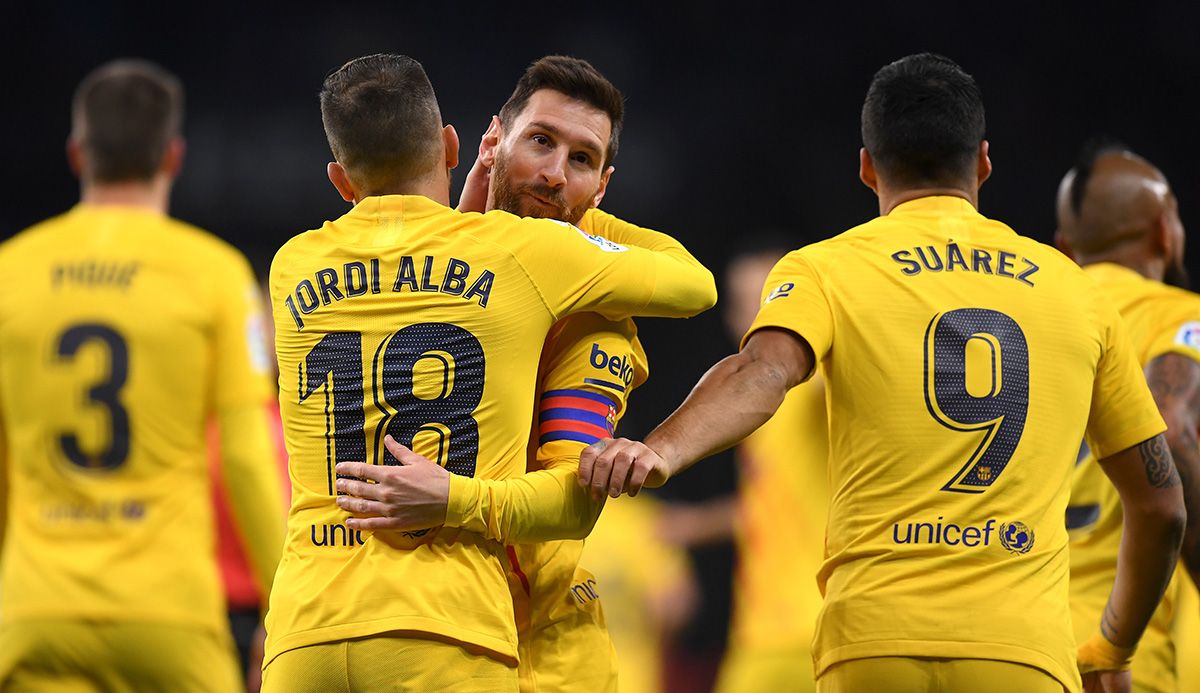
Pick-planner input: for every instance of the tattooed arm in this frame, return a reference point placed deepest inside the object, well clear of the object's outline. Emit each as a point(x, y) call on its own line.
point(1152, 503)
point(1175, 381)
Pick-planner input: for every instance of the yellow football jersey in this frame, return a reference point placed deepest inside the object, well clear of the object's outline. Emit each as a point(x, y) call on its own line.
point(409, 318)
point(783, 499)
point(957, 357)
point(1160, 319)
point(128, 331)
point(633, 577)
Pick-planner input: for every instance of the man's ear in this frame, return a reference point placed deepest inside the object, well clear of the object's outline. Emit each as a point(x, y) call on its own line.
point(1060, 242)
point(75, 156)
point(983, 169)
point(866, 170)
point(604, 178)
point(450, 140)
point(172, 162)
point(490, 142)
point(341, 180)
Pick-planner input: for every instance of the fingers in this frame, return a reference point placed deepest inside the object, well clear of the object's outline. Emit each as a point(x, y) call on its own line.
point(402, 454)
point(370, 523)
point(361, 506)
point(359, 489)
point(587, 460)
point(637, 478)
point(605, 467)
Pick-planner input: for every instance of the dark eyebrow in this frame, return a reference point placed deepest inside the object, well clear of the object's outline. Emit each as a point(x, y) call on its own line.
point(542, 125)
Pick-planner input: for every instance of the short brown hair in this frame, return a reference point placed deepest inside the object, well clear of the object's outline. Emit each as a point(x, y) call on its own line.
point(128, 111)
point(573, 78)
point(382, 120)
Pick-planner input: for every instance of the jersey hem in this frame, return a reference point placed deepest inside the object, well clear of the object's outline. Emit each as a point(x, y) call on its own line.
point(1003, 652)
point(498, 648)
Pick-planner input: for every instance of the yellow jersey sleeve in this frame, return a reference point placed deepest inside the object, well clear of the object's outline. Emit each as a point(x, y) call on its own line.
point(1123, 411)
point(577, 272)
point(601, 223)
point(794, 300)
point(242, 365)
point(1181, 333)
point(589, 367)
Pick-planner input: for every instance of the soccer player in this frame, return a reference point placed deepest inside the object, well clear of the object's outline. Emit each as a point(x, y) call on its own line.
point(1119, 219)
point(782, 503)
point(129, 331)
point(962, 363)
point(407, 321)
point(548, 154)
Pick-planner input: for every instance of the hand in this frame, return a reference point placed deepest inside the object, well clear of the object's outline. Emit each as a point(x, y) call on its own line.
point(474, 195)
point(411, 496)
point(612, 466)
point(1108, 682)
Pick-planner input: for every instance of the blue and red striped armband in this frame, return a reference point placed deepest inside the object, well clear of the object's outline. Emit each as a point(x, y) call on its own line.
point(578, 415)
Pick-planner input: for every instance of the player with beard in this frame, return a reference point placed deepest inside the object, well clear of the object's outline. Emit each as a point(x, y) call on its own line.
point(1119, 219)
point(956, 393)
point(548, 154)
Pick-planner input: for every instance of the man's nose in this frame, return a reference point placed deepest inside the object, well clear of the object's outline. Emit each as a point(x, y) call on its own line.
point(555, 170)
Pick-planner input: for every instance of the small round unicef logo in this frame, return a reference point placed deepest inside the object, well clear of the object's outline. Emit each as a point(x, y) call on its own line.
point(1016, 537)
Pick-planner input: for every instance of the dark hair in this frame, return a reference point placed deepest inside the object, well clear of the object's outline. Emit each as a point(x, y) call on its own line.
point(923, 120)
point(126, 112)
point(1092, 150)
point(382, 120)
point(576, 79)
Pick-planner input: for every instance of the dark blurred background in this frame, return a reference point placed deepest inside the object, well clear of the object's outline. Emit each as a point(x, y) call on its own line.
point(740, 117)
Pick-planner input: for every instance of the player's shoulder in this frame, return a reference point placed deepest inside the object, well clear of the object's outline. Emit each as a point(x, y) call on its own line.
point(189, 238)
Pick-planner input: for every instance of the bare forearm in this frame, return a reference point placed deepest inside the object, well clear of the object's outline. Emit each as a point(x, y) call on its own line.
point(1154, 521)
point(1149, 547)
point(1185, 449)
point(733, 399)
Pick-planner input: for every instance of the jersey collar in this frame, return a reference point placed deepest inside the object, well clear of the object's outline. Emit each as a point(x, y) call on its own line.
point(406, 206)
point(940, 205)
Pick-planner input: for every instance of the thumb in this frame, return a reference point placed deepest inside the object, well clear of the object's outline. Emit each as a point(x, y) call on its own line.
point(402, 454)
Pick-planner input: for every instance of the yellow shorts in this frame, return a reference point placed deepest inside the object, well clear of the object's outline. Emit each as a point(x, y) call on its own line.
point(761, 669)
point(75, 655)
point(387, 663)
point(927, 675)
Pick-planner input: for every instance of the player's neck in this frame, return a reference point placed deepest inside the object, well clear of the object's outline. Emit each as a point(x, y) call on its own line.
point(890, 199)
point(436, 188)
point(153, 195)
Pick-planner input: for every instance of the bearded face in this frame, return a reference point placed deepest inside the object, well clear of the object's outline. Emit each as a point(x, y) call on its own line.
point(534, 198)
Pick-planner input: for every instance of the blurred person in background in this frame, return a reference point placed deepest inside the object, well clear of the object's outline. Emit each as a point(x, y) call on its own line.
point(548, 154)
point(962, 363)
point(244, 598)
point(777, 516)
point(130, 331)
point(1118, 218)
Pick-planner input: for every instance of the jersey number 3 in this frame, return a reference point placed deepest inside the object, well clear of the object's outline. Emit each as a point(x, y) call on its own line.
point(106, 394)
point(995, 400)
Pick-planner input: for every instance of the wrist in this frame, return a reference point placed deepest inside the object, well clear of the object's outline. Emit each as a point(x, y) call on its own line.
point(460, 501)
point(1097, 653)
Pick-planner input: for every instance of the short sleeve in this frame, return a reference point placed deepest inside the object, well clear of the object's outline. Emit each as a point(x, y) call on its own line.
point(589, 367)
point(242, 363)
point(1181, 336)
point(1123, 411)
point(794, 299)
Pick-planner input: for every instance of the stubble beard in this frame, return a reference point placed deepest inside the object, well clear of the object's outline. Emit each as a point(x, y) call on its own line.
point(509, 197)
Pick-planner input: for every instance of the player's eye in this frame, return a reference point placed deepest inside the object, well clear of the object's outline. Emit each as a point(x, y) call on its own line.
point(542, 140)
point(582, 158)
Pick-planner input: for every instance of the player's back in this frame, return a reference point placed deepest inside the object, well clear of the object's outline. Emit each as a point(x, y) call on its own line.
point(960, 360)
point(407, 318)
point(108, 354)
point(1160, 319)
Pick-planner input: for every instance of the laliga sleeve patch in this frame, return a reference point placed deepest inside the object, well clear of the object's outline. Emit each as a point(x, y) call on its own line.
point(599, 241)
point(781, 291)
point(1189, 336)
